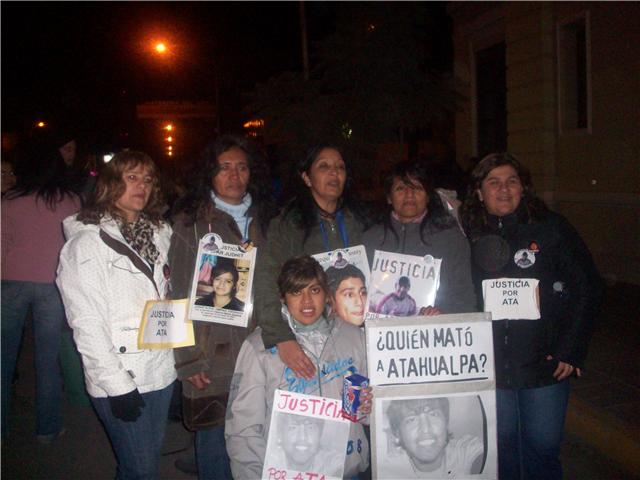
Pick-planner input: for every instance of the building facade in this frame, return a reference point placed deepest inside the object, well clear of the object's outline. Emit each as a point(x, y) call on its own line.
point(558, 85)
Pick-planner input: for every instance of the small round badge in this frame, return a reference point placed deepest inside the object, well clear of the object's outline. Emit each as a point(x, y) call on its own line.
point(211, 242)
point(339, 259)
point(524, 258)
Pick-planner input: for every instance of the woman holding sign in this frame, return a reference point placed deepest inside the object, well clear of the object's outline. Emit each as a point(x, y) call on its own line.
point(230, 198)
point(111, 265)
point(538, 280)
point(418, 223)
point(320, 218)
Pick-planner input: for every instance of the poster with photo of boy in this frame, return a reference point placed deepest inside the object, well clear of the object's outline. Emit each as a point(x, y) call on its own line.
point(307, 437)
point(222, 285)
point(400, 285)
point(347, 276)
point(441, 434)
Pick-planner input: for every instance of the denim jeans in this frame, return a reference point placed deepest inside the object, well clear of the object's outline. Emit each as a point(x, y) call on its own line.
point(138, 444)
point(530, 427)
point(48, 317)
point(211, 455)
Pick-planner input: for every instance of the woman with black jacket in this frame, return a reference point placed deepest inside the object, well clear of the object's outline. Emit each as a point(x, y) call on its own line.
point(537, 278)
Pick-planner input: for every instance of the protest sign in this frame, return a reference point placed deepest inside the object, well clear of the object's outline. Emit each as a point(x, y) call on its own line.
point(512, 298)
point(441, 348)
point(164, 325)
point(459, 442)
point(221, 290)
point(400, 285)
point(347, 274)
point(307, 438)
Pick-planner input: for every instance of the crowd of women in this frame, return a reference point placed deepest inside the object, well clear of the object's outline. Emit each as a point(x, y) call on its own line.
point(121, 252)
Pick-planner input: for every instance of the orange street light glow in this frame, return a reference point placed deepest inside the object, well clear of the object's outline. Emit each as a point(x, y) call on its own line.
point(160, 47)
point(170, 153)
point(169, 139)
point(40, 124)
point(169, 148)
point(168, 127)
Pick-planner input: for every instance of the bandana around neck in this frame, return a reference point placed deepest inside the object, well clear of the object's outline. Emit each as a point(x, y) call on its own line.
point(139, 235)
point(237, 212)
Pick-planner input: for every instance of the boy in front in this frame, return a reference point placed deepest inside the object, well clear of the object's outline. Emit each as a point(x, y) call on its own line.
point(337, 348)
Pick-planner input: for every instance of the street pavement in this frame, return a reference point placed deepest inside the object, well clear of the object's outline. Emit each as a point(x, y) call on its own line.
point(602, 438)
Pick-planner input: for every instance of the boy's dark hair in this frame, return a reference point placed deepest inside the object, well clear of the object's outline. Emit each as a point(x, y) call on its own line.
point(398, 409)
point(298, 272)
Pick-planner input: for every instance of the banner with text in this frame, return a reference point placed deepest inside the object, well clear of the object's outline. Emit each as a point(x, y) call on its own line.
point(307, 438)
point(400, 285)
point(441, 348)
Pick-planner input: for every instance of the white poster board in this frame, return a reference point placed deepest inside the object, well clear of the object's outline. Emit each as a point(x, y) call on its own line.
point(400, 285)
point(434, 410)
point(439, 434)
point(440, 348)
point(307, 438)
point(164, 325)
point(223, 272)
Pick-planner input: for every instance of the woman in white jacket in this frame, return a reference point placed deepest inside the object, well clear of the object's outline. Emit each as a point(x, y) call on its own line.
point(110, 266)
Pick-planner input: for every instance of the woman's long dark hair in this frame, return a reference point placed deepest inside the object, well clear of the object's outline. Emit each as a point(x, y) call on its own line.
point(437, 217)
point(40, 170)
point(207, 167)
point(473, 214)
point(303, 209)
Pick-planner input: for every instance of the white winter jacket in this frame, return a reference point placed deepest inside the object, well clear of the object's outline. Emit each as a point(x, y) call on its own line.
point(104, 296)
point(260, 372)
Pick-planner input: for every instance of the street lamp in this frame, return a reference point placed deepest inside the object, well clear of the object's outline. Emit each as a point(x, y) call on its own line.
point(163, 48)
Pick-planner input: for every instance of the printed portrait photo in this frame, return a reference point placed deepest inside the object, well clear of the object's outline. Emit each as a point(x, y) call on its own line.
point(434, 437)
point(300, 443)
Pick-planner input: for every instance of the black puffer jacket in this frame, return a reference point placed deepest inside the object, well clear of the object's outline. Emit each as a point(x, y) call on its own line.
point(570, 294)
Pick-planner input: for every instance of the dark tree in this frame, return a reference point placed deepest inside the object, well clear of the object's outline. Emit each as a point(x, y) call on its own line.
point(378, 78)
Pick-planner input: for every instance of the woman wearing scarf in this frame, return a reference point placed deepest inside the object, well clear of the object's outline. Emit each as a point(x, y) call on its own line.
point(110, 266)
point(229, 197)
point(318, 219)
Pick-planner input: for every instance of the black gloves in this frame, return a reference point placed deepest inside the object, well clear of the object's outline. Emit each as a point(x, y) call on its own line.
point(127, 407)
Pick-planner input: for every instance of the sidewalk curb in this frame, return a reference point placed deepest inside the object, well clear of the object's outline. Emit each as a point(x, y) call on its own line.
point(605, 433)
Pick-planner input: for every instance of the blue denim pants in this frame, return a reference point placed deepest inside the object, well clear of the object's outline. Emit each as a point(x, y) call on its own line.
point(48, 317)
point(530, 428)
point(138, 444)
point(211, 455)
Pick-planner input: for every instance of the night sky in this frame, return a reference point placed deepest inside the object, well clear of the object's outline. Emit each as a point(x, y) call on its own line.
point(81, 60)
point(84, 66)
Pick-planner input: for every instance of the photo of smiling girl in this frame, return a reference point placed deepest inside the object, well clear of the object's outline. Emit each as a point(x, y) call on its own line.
point(225, 287)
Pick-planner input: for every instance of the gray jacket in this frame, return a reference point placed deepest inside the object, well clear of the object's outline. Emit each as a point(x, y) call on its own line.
point(456, 293)
point(259, 372)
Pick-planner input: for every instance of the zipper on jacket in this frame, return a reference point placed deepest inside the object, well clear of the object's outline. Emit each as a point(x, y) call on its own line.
point(404, 237)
